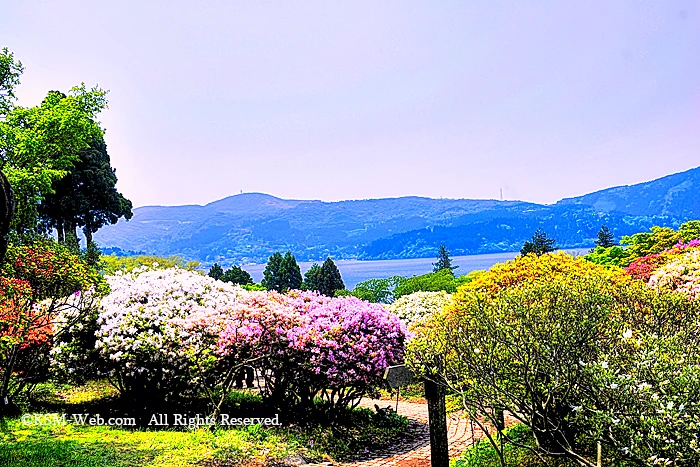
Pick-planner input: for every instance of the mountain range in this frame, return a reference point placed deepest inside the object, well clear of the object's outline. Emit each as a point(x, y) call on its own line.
point(249, 227)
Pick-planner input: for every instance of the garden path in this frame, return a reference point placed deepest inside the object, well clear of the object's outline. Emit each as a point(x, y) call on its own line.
point(414, 450)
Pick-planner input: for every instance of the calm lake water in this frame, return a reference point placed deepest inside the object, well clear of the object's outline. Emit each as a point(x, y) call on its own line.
point(354, 271)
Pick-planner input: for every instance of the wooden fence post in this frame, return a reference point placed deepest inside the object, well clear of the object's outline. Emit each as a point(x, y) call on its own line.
point(437, 417)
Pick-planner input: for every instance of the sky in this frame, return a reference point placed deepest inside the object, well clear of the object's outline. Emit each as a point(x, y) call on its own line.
point(354, 100)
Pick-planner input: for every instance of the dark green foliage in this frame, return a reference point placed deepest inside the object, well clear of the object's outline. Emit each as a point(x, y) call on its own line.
point(236, 275)
point(324, 279)
point(312, 278)
point(330, 278)
point(7, 210)
point(282, 273)
point(216, 271)
point(606, 238)
point(539, 244)
point(443, 260)
point(92, 255)
point(87, 197)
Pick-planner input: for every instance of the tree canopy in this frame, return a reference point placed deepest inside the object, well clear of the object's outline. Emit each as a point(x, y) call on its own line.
point(324, 279)
point(236, 275)
point(10, 71)
point(539, 244)
point(282, 273)
point(443, 260)
point(605, 238)
point(41, 144)
point(216, 271)
point(86, 197)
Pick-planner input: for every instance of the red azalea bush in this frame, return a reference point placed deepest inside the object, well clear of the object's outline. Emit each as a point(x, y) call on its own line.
point(38, 280)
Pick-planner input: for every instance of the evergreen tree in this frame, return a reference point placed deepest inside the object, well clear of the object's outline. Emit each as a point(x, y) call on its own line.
point(539, 244)
point(443, 260)
point(605, 237)
point(324, 279)
point(312, 278)
point(282, 273)
point(216, 271)
point(86, 197)
point(330, 279)
point(236, 275)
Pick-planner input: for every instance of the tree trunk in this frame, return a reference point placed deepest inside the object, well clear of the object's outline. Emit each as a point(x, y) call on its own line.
point(87, 230)
point(60, 233)
point(7, 210)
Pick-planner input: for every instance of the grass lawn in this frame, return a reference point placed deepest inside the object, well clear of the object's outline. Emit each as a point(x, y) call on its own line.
point(57, 442)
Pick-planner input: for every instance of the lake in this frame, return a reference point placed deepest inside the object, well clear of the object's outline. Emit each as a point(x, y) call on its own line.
point(354, 271)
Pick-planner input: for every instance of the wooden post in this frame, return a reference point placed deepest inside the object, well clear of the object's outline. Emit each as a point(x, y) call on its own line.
point(437, 418)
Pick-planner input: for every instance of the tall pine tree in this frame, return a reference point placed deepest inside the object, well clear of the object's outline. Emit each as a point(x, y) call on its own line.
point(539, 244)
point(324, 279)
point(237, 275)
point(282, 273)
point(443, 260)
point(216, 271)
point(606, 238)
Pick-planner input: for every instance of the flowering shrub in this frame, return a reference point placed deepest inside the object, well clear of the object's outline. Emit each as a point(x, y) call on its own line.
point(313, 343)
point(645, 267)
point(74, 356)
point(343, 349)
point(38, 280)
point(578, 358)
point(525, 269)
point(681, 273)
point(163, 332)
point(51, 270)
point(414, 307)
point(140, 342)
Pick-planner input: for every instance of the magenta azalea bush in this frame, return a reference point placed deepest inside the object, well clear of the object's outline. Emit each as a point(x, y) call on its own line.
point(307, 345)
point(173, 331)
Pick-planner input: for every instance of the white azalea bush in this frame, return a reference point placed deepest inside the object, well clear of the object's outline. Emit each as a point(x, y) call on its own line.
point(682, 274)
point(144, 348)
point(416, 306)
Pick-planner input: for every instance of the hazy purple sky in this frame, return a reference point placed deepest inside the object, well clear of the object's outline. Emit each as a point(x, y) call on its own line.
point(330, 100)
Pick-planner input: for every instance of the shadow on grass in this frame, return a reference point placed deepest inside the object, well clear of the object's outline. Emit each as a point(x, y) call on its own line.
point(43, 452)
point(148, 414)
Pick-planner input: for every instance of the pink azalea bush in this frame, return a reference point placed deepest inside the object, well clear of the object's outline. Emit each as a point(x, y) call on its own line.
point(309, 344)
point(169, 331)
point(643, 268)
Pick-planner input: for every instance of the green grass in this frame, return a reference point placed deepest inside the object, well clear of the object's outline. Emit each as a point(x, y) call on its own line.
point(482, 454)
point(62, 443)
